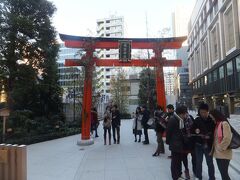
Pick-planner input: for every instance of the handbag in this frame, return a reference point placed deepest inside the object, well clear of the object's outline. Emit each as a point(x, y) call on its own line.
point(235, 142)
point(151, 123)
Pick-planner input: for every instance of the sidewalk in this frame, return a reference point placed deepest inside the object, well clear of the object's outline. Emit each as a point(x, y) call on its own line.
point(62, 159)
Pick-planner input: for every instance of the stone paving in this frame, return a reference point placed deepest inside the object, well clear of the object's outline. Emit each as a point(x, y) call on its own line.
point(62, 159)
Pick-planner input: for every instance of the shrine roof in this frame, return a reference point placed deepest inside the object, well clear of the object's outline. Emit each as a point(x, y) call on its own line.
point(65, 37)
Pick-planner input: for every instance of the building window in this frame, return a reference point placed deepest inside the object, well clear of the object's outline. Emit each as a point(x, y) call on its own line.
point(108, 91)
point(221, 72)
point(229, 29)
point(107, 70)
point(107, 55)
point(209, 78)
point(215, 75)
point(108, 77)
point(238, 63)
point(205, 54)
point(107, 28)
point(107, 84)
point(107, 35)
point(214, 42)
point(205, 80)
point(108, 21)
point(229, 68)
point(198, 63)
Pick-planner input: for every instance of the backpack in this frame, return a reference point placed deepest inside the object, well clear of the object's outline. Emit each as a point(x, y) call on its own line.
point(235, 141)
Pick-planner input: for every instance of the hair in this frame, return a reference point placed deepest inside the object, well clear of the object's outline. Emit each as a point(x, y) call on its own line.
point(115, 106)
point(143, 106)
point(170, 106)
point(138, 108)
point(107, 107)
point(181, 110)
point(203, 106)
point(218, 115)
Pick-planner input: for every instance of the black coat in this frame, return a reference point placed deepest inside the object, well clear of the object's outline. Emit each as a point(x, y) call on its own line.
point(116, 121)
point(174, 136)
point(206, 127)
point(145, 118)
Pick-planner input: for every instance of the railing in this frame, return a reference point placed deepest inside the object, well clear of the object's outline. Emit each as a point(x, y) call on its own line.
point(13, 162)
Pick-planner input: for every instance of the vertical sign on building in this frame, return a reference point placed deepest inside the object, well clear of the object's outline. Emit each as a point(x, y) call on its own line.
point(125, 48)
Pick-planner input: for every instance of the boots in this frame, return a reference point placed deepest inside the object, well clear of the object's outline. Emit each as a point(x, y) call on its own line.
point(109, 140)
point(139, 140)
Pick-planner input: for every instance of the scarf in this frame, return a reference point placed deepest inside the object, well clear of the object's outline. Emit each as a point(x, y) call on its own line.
point(219, 132)
point(181, 122)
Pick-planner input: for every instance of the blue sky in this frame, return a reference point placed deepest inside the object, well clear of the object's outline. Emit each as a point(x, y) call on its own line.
point(78, 17)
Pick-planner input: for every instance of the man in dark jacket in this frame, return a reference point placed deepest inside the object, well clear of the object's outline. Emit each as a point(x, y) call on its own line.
point(116, 122)
point(174, 138)
point(203, 128)
point(145, 118)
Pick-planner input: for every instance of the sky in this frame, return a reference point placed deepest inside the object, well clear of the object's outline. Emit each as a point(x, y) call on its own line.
point(78, 17)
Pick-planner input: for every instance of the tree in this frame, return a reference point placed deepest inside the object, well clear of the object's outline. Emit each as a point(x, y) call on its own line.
point(29, 49)
point(119, 89)
point(147, 89)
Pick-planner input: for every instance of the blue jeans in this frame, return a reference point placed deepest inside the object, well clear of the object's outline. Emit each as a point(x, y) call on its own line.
point(200, 151)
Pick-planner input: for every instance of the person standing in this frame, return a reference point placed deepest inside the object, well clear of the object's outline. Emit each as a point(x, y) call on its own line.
point(222, 139)
point(188, 145)
point(107, 121)
point(170, 112)
point(203, 128)
point(174, 138)
point(145, 118)
point(137, 126)
point(116, 123)
point(94, 121)
point(159, 129)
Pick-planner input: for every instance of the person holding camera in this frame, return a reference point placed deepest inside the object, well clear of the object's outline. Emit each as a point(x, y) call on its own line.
point(203, 130)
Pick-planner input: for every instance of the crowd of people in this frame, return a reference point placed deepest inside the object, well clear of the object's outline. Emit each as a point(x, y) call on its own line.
point(208, 135)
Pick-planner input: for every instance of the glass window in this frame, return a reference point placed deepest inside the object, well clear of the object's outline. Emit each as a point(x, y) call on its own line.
point(229, 68)
point(229, 29)
point(205, 80)
point(209, 78)
point(215, 75)
point(238, 63)
point(221, 72)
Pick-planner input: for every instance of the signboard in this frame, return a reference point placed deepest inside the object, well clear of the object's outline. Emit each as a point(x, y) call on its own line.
point(125, 48)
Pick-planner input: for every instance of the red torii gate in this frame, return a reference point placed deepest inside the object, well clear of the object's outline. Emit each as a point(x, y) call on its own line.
point(89, 44)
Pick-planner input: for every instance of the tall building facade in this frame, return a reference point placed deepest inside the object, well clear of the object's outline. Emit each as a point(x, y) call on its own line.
point(112, 27)
point(183, 90)
point(69, 80)
point(214, 54)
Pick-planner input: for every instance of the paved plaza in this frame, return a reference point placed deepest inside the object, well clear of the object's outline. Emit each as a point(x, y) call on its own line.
point(62, 159)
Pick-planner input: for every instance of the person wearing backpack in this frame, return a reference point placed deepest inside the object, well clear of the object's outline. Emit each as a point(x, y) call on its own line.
point(222, 139)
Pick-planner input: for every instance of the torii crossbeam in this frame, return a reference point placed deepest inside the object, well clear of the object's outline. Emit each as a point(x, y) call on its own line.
point(89, 44)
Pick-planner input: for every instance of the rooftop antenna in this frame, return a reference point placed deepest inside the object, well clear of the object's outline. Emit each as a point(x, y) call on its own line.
point(148, 53)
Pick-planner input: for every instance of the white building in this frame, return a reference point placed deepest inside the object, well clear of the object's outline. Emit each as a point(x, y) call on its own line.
point(214, 56)
point(108, 27)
